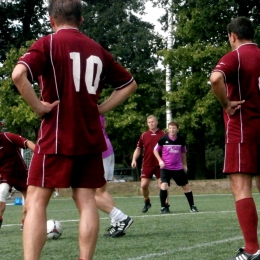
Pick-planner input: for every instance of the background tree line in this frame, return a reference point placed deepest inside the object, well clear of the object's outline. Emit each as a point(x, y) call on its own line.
point(200, 39)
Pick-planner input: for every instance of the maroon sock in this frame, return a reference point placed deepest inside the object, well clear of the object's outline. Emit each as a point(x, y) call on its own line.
point(248, 220)
point(1, 219)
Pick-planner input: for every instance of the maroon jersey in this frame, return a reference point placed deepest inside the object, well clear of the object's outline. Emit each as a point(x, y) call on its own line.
point(146, 143)
point(241, 71)
point(74, 75)
point(11, 161)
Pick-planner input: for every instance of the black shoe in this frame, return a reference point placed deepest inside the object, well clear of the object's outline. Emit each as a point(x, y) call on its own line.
point(165, 210)
point(119, 228)
point(111, 230)
point(147, 205)
point(241, 254)
point(1, 222)
point(193, 209)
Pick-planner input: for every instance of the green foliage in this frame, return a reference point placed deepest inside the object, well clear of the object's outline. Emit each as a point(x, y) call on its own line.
point(18, 117)
point(21, 21)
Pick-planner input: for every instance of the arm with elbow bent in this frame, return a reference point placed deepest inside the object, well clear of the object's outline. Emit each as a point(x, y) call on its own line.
point(219, 89)
point(117, 97)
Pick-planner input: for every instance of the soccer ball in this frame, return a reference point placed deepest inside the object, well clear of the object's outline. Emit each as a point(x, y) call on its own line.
point(54, 229)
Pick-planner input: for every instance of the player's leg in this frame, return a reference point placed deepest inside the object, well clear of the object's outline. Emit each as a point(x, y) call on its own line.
point(89, 221)
point(241, 159)
point(34, 232)
point(24, 192)
point(164, 185)
point(145, 182)
point(119, 221)
point(4, 190)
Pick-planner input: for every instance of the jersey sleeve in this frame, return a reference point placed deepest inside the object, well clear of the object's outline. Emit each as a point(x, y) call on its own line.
point(17, 140)
point(35, 59)
point(228, 65)
point(158, 148)
point(140, 143)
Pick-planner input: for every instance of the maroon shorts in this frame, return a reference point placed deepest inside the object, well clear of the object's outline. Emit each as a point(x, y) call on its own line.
point(242, 158)
point(15, 179)
point(148, 172)
point(61, 171)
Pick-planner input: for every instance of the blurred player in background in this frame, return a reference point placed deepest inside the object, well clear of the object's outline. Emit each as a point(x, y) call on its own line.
point(120, 222)
point(150, 166)
point(71, 68)
point(235, 82)
point(13, 170)
point(170, 152)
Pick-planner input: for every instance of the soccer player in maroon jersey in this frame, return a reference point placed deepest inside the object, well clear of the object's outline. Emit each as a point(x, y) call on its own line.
point(13, 170)
point(235, 82)
point(70, 68)
point(150, 166)
point(170, 151)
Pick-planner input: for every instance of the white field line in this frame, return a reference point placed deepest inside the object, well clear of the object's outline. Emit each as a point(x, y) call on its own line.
point(144, 216)
point(170, 252)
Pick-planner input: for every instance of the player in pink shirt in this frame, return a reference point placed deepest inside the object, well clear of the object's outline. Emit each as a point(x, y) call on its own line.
point(71, 69)
point(235, 82)
point(170, 152)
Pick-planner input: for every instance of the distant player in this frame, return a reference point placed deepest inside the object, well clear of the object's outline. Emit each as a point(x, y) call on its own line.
point(170, 152)
point(150, 165)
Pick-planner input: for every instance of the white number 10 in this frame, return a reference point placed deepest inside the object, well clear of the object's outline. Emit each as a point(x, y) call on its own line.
point(92, 75)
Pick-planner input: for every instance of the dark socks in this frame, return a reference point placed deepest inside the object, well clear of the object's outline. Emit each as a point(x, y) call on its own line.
point(163, 197)
point(189, 197)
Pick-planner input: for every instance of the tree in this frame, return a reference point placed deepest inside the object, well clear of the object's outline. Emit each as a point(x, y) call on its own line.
point(15, 112)
point(21, 21)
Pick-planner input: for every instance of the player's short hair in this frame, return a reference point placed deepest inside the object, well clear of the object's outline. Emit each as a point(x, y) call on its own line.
point(174, 123)
point(66, 11)
point(242, 27)
point(152, 116)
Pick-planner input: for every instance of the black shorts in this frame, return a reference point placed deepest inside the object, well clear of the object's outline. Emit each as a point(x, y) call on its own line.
point(179, 176)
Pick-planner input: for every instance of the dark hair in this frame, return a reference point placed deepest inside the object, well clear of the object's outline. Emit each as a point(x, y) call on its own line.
point(242, 27)
point(66, 11)
point(174, 123)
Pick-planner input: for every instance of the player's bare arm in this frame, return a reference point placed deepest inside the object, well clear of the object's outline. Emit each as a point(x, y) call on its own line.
point(184, 162)
point(117, 97)
point(136, 155)
point(158, 157)
point(24, 86)
point(30, 145)
point(219, 89)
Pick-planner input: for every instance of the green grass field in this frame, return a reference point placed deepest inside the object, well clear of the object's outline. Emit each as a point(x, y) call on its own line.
point(213, 233)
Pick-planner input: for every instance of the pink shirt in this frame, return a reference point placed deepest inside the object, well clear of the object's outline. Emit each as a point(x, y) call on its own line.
point(109, 150)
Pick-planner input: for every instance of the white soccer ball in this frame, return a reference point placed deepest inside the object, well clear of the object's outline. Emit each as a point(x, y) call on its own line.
point(54, 229)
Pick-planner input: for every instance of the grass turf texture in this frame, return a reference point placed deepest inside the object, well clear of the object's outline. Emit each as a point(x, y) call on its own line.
point(213, 233)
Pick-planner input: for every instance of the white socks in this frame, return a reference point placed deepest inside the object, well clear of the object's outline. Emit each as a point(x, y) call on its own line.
point(117, 215)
